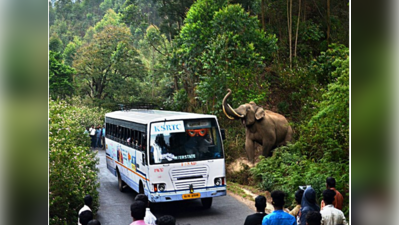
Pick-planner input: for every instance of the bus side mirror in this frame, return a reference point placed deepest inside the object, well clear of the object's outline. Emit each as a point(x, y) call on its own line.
point(223, 132)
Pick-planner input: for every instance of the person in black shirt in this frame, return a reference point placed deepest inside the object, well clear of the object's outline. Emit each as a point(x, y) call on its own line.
point(256, 218)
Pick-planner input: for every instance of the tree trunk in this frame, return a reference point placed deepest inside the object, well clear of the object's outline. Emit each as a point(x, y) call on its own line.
point(328, 21)
point(263, 14)
point(289, 20)
point(297, 28)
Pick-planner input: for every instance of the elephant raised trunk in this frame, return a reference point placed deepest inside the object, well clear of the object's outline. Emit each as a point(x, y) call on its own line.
point(228, 110)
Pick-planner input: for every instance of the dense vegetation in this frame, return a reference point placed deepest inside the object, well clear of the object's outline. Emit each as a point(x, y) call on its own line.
point(72, 164)
point(290, 57)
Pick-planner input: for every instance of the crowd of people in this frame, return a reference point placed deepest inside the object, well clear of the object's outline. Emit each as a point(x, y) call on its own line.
point(97, 136)
point(139, 210)
point(306, 212)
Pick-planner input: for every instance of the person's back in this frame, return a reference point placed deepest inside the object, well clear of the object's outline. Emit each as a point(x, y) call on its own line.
point(256, 218)
point(308, 203)
point(278, 216)
point(137, 211)
point(88, 200)
point(313, 218)
point(85, 217)
point(338, 199)
point(149, 218)
point(295, 211)
point(330, 215)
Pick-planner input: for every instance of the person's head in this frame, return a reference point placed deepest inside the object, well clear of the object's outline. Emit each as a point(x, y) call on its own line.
point(88, 200)
point(85, 217)
point(328, 196)
point(92, 126)
point(313, 218)
point(166, 220)
point(260, 203)
point(330, 182)
point(309, 196)
point(278, 199)
point(142, 197)
point(298, 196)
point(137, 210)
point(94, 222)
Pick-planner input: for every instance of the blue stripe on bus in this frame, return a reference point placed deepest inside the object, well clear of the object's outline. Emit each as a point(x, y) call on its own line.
point(141, 173)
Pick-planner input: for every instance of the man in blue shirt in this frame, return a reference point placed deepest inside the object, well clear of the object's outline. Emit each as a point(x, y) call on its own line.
point(278, 216)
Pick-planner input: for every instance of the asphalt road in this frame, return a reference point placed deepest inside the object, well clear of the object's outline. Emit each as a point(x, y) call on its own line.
point(115, 205)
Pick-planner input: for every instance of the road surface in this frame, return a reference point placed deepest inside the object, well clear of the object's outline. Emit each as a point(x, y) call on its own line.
point(115, 205)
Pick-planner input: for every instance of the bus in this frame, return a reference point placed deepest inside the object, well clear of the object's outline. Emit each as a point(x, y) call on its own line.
point(166, 155)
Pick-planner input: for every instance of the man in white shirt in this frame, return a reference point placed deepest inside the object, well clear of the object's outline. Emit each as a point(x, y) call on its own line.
point(149, 218)
point(329, 214)
point(88, 200)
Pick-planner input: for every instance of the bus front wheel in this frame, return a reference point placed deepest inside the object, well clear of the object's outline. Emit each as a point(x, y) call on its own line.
point(206, 202)
point(121, 183)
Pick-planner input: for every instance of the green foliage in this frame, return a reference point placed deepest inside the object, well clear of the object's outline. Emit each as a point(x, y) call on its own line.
point(179, 101)
point(329, 128)
point(55, 43)
point(108, 66)
point(60, 77)
point(72, 165)
point(70, 50)
point(323, 66)
point(288, 168)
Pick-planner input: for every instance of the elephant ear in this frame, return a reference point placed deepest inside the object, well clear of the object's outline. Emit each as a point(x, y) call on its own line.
point(259, 113)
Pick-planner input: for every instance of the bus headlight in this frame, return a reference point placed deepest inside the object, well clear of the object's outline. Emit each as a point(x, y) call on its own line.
point(161, 187)
point(219, 181)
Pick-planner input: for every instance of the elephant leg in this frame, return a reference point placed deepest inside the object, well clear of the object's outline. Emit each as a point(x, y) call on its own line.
point(250, 149)
point(266, 149)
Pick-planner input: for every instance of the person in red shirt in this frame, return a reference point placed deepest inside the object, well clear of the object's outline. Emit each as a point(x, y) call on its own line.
point(338, 200)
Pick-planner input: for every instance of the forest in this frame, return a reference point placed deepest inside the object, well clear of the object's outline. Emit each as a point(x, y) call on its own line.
point(291, 57)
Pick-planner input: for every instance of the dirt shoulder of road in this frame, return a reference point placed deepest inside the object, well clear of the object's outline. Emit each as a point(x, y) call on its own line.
point(247, 197)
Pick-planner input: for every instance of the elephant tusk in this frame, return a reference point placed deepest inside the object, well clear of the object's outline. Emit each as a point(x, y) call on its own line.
point(224, 110)
point(241, 116)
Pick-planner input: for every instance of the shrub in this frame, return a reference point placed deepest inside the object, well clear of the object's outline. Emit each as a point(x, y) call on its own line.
point(72, 165)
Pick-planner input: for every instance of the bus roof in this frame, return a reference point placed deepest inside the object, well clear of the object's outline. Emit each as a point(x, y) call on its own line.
point(145, 116)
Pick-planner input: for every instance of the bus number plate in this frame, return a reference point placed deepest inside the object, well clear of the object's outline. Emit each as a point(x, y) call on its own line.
point(191, 196)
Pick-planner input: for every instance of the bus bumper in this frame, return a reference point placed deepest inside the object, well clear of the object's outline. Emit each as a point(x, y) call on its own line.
point(178, 195)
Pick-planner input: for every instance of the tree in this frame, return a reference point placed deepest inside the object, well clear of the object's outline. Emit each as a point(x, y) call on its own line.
point(55, 43)
point(108, 67)
point(235, 58)
point(60, 77)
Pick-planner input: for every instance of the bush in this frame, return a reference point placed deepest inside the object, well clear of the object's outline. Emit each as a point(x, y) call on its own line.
point(72, 165)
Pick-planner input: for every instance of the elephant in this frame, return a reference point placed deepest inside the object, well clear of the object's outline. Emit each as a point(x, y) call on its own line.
point(265, 127)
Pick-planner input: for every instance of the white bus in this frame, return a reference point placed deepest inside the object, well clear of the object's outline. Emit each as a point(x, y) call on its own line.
point(168, 156)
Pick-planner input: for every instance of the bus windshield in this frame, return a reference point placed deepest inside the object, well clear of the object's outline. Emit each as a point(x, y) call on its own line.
point(184, 141)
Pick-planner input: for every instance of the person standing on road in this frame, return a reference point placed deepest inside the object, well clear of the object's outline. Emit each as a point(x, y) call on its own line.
point(308, 203)
point(338, 200)
point(256, 218)
point(313, 218)
point(149, 218)
point(103, 137)
point(295, 211)
point(98, 136)
point(85, 217)
point(137, 211)
point(329, 214)
point(278, 216)
point(88, 200)
point(92, 131)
